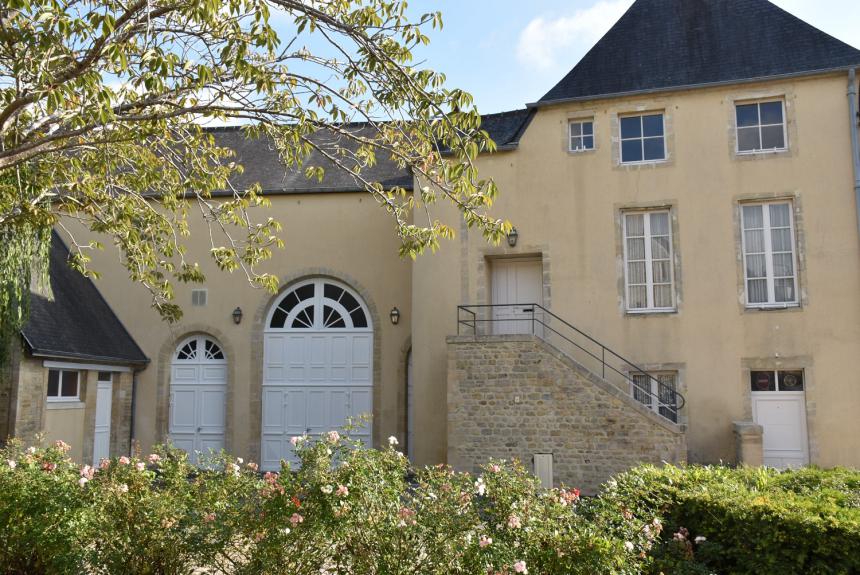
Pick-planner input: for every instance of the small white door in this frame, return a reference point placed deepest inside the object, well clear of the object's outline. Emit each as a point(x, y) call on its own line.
point(104, 398)
point(198, 390)
point(517, 284)
point(779, 406)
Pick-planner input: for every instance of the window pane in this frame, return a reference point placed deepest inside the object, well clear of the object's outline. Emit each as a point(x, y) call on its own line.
point(780, 215)
point(631, 127)
point(53, 383)
point(638, 297)
point(588, 128)
point(784, 290)
point(636, 273)
point(754, 241)
point(660, 247)
point(635, 225)
point(663, 296)
point(772, 138)
point(783, 265)
point(104, 376)
point(576, 143)
point(791, 380)
point(771, 113)
point(636, 249)
point(631, 151)
point(781, 240)
point(762, 381)
point(753, 217)
point(70, 384)
point(661, 271)
point(747, 115)
point(659, 224)
point(654, 149)
point(652, 125)
point(748, 139)
point(588, 142)
point(757, 290)
point(756, 266)
point(641, 386)
point(575, 129)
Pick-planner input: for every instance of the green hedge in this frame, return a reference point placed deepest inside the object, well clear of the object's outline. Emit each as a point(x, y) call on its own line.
point(747, 520)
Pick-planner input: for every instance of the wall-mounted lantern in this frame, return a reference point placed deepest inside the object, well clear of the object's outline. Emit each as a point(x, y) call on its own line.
point(394, 315)
point(512, 237)
point(237, 315)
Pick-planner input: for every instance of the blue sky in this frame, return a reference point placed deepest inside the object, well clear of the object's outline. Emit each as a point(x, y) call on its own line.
point(510, 52)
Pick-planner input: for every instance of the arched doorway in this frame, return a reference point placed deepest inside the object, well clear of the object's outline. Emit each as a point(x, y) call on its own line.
point(198, 390)
point(317, 366)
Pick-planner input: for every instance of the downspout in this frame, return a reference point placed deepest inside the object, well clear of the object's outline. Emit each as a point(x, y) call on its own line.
point(855, 145)
point(133, 409)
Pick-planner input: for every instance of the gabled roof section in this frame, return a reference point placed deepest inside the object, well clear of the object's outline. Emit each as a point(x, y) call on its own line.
point(76, 323)
point(506, 128)
point(670, 44)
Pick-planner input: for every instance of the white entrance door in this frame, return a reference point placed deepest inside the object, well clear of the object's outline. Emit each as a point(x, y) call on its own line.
point(198, 389)
point(104, 398)
point(516, 285)
point(318, 367)
point(782, 414)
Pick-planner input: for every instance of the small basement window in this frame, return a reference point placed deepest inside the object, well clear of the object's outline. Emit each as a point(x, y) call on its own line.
point(581, 135)
point(63, 385)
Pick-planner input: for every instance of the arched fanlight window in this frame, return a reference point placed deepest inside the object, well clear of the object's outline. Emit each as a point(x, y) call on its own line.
point(319, 304)
point(199, 348)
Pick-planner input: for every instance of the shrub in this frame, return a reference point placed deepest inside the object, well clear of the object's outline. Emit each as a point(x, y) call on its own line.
point(343, 510)
point(748, 520)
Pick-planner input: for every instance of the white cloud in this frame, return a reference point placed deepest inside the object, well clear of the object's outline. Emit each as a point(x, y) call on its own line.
point(545, 41)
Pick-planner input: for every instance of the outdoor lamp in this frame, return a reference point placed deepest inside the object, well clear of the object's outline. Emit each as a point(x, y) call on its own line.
point(394, 315)
point(512, 237)
point(237, 315)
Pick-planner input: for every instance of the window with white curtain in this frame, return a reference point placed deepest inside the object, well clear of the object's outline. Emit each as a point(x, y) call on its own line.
point(770, 263)
point(648, 270)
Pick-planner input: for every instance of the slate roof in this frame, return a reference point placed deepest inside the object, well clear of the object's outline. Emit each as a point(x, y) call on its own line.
point(77, 322)
point(669, 44)
point(261, 163)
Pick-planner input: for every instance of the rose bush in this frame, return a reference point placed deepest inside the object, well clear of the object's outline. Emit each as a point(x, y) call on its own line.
point(343, 510)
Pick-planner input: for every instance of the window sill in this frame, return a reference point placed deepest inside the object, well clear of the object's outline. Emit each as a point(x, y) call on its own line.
point(641, 312)
point(644, 163)
point(65, 404)
point(762, 152)
point(581, 152)
point(772, 308)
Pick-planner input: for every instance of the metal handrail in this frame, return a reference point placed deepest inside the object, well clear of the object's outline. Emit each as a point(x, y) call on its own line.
point(667, 399)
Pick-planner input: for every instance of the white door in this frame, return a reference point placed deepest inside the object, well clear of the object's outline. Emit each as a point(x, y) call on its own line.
point(318, 367)
point(517, 284)
point(198, 390)
point(782, 415)
point(104, 398)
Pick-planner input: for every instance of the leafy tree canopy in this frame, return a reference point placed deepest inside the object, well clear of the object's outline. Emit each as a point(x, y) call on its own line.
point(101, 105)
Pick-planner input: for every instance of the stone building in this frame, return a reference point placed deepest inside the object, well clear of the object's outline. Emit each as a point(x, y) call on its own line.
point(682, 283)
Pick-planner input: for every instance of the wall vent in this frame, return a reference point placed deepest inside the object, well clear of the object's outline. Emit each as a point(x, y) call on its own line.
point(198, 297)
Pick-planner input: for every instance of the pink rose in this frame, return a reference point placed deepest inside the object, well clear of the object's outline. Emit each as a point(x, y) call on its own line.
point(124, 460)
point(62, 446)
point(514, 522)
point(140, 465)
point(252, 466)
point(209, 518)
point(495, 468)
point(333, 436)
point(520, 567)
point(104, 463)
point(485, 541)
point(87, 472)
point(296, 519)
point(153, 458)
point(342, 491)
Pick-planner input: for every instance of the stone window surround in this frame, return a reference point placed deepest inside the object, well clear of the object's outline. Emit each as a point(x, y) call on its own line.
point(680, 371)
point(653, 106)
point(588, 115)
point(800, 248)
point(810, 390)
point(619, 210)
point(749, 96)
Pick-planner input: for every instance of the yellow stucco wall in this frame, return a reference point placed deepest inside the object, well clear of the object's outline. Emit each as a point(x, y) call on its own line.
point(566, 206)
point(343, 235)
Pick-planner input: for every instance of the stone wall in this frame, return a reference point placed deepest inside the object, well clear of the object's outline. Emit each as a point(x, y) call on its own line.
point(514, 396)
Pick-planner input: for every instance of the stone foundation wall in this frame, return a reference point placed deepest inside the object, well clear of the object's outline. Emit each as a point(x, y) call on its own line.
point(515, 396)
